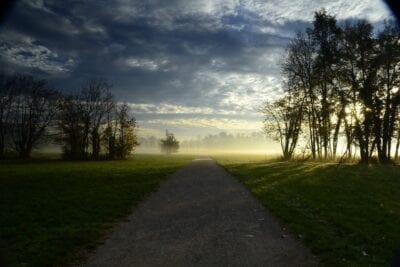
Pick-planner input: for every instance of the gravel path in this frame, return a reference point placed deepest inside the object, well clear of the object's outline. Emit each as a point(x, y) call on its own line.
point(201, 216)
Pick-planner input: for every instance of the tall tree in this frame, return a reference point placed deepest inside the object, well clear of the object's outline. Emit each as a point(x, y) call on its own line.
point(347, 79)
point(325, 35)
point(298, 68)
point(71, 128)
point(283, 120)
point(82, 117)
point(6, 100)
point(364, 84)
point(33, 109)
point(119, 136)
point(388, 89)
point(97, 101)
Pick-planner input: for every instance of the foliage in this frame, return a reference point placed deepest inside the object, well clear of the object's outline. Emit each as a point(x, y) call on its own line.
point(27, 109)
point(344, 82)
point(72, 130)
point(286, 115)
point(119, 136)
point(169, 144)
point(81, 119)
point(31, 112)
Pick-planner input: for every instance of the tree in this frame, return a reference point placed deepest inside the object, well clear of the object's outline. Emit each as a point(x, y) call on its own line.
point(362, 80)
point(299, 71)
point(6, 100)
point(83, 123)
point(346, 81)
point(71, 128)
point(34, 107)
point(283, 120)
point(169, 144)
point(388, 82)
point(126, 136)
point(119, 136)
point(81, 119)
point(325, 35)
point(97, 101)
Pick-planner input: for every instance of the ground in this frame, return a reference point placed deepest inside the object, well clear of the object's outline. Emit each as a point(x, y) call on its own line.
point(348, 214)
point(201, 216)
point(53, 211)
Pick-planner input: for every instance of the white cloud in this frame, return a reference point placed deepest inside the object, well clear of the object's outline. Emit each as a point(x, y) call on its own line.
point(228, 67)
point(37, 4)
point(240, 92)
point(95, 28)
point(165, 108)
point(145, 63)
point(22, 51)
point(167, 15)
point(223, 124)
point(281, 11)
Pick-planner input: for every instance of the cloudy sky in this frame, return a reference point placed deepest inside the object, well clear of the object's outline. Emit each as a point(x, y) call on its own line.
point(192, 66)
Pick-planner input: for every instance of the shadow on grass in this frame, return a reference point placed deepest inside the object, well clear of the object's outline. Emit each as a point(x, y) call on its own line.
point(349, 214)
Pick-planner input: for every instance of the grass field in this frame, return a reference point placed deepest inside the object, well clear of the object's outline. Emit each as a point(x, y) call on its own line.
point(349, 215)
point(52, 212)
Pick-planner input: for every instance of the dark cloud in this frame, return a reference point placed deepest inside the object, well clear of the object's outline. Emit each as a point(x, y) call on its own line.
point(220, 55)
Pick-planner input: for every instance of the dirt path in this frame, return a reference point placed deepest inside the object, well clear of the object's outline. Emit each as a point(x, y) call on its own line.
point(201, 216)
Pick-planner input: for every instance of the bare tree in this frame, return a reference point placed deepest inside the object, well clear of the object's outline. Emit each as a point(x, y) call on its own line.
point(347, 79)
point(96, 100)
point(298, 68)
point(283, 120)
point(6, 100)
point(82, 118)
point(325, 35)
point(119, 136)
point(388, 90)
point(70, 124)
point(33, 109)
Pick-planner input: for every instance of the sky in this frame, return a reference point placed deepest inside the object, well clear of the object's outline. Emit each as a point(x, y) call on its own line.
point(194, 67)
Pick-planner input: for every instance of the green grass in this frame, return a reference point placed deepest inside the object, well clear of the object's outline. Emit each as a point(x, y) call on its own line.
point(52, 212)
point(348, 214)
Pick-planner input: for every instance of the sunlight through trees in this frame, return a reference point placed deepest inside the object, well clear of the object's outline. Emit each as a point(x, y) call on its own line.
point(340, 82)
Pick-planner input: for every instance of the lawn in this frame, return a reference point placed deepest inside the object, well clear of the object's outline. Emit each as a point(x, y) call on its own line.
point(349, 215)
point(52, 212)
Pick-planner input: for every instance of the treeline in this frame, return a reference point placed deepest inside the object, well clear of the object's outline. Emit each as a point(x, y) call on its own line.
point(222, 141)
point(149, 142)
point(88, 124)
point(341, 83)
point(226, 141)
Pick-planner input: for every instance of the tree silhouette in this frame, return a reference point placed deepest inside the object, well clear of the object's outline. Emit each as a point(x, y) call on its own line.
point(345, 83)
point(31, 112)
point(169, 144)
point(283, 123)
point(119, 137)
point(81, 117)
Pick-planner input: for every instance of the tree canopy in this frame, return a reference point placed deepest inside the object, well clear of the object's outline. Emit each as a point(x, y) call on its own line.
point(85, 124)
point(341, 84)
point(169, 144)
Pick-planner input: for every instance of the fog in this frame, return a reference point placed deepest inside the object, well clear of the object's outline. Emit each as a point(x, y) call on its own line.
point(253, 143)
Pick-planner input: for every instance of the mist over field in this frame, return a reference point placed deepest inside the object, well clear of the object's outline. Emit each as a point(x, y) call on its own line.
point(252, 143)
